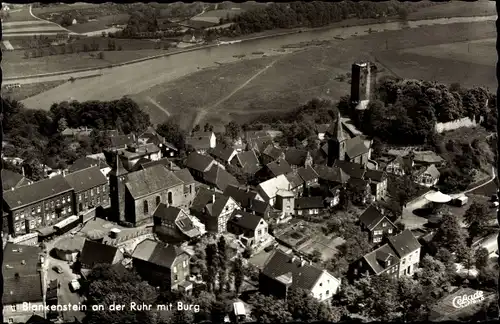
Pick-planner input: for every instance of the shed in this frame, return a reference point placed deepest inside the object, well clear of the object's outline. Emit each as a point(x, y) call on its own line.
point(239, 309)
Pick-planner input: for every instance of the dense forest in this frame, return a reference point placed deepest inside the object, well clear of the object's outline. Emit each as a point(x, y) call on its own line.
point(35, 135)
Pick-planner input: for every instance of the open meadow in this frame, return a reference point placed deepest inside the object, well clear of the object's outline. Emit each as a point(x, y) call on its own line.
point(19, 15)
point(29, 90)
point(455, 9)
point(100, 23)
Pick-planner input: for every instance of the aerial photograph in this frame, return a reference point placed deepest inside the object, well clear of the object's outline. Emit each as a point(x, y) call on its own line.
point(265, 162)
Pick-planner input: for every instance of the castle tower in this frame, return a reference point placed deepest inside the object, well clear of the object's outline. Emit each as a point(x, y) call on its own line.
point(117, 189)
point(336, 142)
point(362, 83)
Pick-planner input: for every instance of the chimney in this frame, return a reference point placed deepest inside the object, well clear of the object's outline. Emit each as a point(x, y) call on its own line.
point(213, 198)
point(303, 263)
point(294, 258)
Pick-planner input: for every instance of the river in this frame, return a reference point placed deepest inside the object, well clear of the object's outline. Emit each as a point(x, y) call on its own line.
point(138, 77)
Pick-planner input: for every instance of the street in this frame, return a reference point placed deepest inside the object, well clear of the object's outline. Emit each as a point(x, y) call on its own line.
point(64, 294)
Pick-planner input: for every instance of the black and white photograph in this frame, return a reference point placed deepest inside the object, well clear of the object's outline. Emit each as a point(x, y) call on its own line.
point(249, 162)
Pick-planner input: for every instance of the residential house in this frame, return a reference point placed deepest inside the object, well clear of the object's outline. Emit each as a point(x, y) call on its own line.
point(417, 158)
point(283, 272)
point(376, 224)
point(407, 249)
point(330, 177)
point(259, 144)
point(151, 137)
point(296, 183)
point(213, 209)
point(397, 166)
point(133, 153)
point(86, 162)
point(250, 201)
point(76, 134)
point(251, 230)
point(377, 179)
point(174, 225)
point(94, 253)
point(38, 205)
point(378, 183)
point(222, 153)
point(22, 276)
point(163, 265)
point(189, 187)
point(427, 176)
point(298, 158)
point(269, 188)
point(285, 202)
point(271, 153)
point(202, 141)
point(90, 189)
point(247, 161)
point(218, 178)
point(274, 169)
point(121, 141)
point(11, 179)
point(135, 195)
point(198, 164)
point(309, 205)
point(321, 130)
point(308, 176)
point(382, 260)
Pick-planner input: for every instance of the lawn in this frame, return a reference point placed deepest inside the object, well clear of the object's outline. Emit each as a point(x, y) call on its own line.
point(214, 16)
point(455, 9)
point(13, 26)
point(100, 23)
point(29, 90)
point(21, 15)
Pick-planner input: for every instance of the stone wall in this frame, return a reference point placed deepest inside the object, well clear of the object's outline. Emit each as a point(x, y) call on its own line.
point(458, 123)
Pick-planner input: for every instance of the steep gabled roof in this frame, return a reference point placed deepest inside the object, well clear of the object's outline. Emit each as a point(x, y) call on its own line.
point(336, 130)
point(120, 141)
point(332, 174)
point(404, 243)
point(272, 151)
point(151, 180)
point(222, 152)
point(371, 217)
point(241, 196)
point(245, 220)
point(296, 157)
point(184, 175)
point(355, 147)
point(278, 167)
point(219, 178)
point(271, 186)
point(375, 175)
point(36, 192)
point(309, 203)
point(376, 258)
point(248, 161)
point(11, 179)
point(204, 200)
point(86, 179)
point(307, 173)
point(199, 162)
point(354, 170)
point(97, 253)
point(303, 276)
point(294, 179)
point(157, 253)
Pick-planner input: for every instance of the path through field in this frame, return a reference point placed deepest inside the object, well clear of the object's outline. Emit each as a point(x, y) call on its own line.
point(203, 112)
point(151, 100)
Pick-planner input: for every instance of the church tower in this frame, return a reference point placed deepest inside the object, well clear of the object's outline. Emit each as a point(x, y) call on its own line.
point(117, 189)
point(336, 142)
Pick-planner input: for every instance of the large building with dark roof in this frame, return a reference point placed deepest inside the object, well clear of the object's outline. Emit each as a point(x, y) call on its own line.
point(174, 225)
point(163, 265)
point(90, 189)
point(373, 221)
point(37, 205)
point(251, 229)
point(22, 282)
point(11, 179)
point(213, 209)
point(283, 272)
point(94, 253)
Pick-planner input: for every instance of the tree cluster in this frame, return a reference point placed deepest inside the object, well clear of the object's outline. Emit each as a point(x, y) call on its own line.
point(311, 14)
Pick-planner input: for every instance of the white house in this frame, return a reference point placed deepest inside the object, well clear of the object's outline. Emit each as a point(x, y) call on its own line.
point(269, 188)
point(407, 249)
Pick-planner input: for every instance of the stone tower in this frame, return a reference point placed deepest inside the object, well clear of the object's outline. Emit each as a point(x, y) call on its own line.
point(117, 189)
point(336, 142)
point(363, 77)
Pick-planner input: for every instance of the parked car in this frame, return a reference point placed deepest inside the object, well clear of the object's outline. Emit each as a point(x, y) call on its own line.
point(57, 269)
point(74, 285)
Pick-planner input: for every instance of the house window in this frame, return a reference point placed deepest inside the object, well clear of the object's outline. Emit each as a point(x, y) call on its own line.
point(190, 189)
point(92, 192)
point(389, 231)
point(377, 232)
point(176, 277)
point(32, 211)
point(169, 198)
point(175, 269)
point(377, 239)
point(146, 207)
point(98, 200)
point(328, 292)
point(11, 320)
point(52, 203)
point(47, 206)
point(69, 209)
point(384, 224)
point(86, 194)
point(321, 284)
point(69, 198)
point(184, 263)
point(17, 218)
point(320, 296)
point(158, 201)
point(97, 190)
point(403, 261)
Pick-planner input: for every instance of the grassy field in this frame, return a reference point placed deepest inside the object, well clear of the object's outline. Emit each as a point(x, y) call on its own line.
point(21, 15)
point(61, 8)
point(29, 90)
point(455, 9)
point(214, 16)
point(298, 77)
point(100, 24)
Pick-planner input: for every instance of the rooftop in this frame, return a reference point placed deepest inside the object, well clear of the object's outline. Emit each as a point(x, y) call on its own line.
point(157, 253)
point(86, 179)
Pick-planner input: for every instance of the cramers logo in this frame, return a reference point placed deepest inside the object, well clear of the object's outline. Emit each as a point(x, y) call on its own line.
point(464, 301)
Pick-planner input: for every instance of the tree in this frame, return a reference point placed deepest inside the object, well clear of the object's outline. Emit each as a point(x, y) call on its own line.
point(434, 275)
point(62, 124)
point(212, 265)
point(303, 307)
point(196, 129)
point(172, 133)
point(477, 218)
point(482, 258)
point(267, 309)
point(223, 262)
point(238, 274)
point(450, 234)
point(109, 284)
point(208, 128)
point(233, 130)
